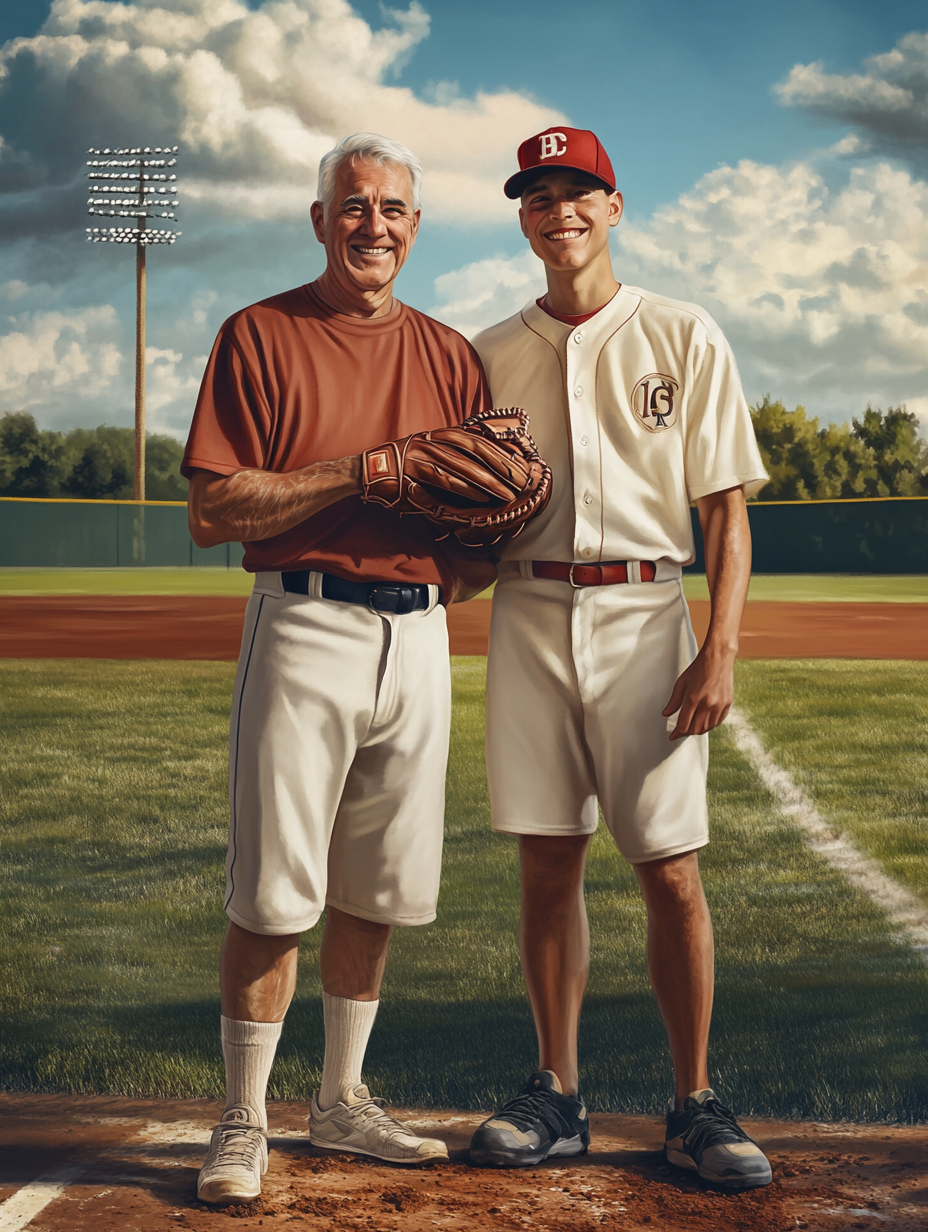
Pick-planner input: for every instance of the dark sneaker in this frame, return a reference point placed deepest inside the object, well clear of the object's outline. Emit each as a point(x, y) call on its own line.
point(541, 1121)
point(704, 1137)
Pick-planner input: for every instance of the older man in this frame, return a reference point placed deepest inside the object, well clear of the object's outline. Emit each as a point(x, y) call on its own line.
point(341, 712)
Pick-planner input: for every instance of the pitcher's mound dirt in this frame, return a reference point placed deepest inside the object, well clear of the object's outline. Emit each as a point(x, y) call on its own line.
point(132, 1164)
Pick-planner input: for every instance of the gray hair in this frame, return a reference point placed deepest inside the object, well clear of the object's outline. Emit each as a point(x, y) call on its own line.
point(367, 145)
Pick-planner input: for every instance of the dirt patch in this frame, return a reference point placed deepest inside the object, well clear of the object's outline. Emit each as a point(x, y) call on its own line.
point(137, 1163)
point(210, 627)
point(774, 630)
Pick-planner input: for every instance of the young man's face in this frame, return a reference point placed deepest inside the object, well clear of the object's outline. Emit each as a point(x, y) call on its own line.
point(566, 216)
point(369, 226)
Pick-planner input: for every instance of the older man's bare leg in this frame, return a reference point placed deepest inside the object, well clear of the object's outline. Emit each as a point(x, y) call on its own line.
point(352, 960)
point(257, 976)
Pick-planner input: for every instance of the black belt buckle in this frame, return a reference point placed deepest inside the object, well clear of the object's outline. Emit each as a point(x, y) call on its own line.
point(398, 600)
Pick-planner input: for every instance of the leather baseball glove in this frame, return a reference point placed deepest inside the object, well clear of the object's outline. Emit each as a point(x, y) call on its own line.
point(482, 480)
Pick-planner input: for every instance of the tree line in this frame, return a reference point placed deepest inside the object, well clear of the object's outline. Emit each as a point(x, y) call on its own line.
point(880, 454)
point(88, 463)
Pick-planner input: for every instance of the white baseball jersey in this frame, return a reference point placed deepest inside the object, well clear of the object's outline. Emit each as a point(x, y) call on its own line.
point(642, 405)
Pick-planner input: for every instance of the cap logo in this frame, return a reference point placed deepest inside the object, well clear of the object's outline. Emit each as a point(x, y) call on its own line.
point(550, 147)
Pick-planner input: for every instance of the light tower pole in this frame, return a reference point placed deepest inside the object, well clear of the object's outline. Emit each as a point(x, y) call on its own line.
point(134, 183)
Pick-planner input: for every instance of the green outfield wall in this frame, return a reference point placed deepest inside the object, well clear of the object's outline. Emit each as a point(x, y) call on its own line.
point(841, 536)
point(851, 536)
point(50, 534)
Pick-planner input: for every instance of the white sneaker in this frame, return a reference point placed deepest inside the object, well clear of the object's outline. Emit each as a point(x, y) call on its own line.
point(360, 1125)
point(236, 1161)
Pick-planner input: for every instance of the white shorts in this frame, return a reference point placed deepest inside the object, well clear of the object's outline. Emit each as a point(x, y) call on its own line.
point(338, 750)
point(576, 682)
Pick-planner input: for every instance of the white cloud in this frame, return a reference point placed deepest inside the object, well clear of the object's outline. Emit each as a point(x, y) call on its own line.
point(253, 97)
point(50, 357)
point(14, 289)
point(823, 293)
point(889, 100)
point(169, 382)
point(477, 295)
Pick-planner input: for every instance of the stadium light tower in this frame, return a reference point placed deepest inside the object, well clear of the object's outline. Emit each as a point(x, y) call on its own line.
point(136, 183)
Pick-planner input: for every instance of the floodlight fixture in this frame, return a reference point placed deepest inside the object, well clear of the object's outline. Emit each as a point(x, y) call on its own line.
point(138, 183)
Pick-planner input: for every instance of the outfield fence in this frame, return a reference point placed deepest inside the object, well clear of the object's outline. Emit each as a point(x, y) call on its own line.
point(843, 536)
point(881, 535)
point(51, 534)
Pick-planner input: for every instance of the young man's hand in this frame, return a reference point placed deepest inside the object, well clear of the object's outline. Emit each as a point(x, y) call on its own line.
point(703, 693)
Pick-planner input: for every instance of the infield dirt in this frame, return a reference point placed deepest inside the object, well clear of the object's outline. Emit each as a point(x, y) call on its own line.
point(135, 1164)
point(210, 627)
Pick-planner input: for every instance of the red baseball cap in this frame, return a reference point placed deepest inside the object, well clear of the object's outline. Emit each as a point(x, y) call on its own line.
point(573, 149)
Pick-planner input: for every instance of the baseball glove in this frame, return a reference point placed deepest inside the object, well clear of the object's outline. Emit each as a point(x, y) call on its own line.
point(482, 480)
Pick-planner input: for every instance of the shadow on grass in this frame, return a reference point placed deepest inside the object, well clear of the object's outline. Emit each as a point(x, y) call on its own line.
point(845, 1050)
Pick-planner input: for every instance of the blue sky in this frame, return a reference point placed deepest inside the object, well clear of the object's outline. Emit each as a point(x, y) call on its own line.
point(773, 161)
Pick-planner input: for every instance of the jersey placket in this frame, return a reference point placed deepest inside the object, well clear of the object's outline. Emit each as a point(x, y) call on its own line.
point(582, 354)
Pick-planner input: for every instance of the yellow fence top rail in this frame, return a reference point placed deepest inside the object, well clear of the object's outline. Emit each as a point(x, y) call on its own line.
point(77, 500)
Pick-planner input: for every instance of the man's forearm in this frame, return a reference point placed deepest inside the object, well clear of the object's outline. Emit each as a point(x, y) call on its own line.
point(727, 542)
point(254, 504)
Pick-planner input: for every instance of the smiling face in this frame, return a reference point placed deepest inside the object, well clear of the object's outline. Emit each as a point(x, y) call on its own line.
point(368, 229)
point(566, 216)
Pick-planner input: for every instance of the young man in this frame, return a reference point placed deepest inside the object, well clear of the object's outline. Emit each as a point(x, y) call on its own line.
point(340, 719)
point(596, 696)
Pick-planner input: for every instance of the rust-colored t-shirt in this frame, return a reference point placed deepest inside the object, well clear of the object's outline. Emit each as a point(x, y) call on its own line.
point(290, 382)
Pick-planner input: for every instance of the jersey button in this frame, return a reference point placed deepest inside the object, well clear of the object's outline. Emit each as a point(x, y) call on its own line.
point(587, 500)
point(578, 336)
point(584, 440)
point(586, 552)
point(578, 392)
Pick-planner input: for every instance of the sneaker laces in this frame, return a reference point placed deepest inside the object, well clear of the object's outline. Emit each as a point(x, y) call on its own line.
point(529, 1107)
point(713, 1125)
point(372, 1108)
point(240, 1142)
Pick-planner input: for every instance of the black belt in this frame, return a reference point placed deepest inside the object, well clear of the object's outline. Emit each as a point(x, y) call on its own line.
point(381, 596)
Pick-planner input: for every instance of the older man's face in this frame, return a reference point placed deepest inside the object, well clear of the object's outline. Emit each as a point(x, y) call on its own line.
point(370, 225)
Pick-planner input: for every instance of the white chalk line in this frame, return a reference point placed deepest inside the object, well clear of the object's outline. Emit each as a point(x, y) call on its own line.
point(907, 915)
point(26, 1203)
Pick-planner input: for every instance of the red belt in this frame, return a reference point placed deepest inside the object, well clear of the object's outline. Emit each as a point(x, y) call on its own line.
point(590, 575)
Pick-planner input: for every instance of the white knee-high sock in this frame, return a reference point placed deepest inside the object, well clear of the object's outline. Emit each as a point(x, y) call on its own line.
point(248, 1049)
point(347, 1029)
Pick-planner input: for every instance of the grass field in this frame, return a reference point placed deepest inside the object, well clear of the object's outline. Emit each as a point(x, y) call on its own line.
point(113, 834)
point(810, 588)
point(855, 735)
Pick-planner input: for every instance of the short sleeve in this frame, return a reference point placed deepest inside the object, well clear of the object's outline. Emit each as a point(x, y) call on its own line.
point(232, 422)
point(720, 449)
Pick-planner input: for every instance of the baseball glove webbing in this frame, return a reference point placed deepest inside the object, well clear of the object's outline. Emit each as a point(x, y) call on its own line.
point(481, 480)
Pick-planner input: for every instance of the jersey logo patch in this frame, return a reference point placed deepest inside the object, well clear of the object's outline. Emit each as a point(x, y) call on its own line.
point(654, 401)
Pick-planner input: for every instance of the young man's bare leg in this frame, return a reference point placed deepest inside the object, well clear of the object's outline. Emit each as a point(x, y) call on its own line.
point(702, 1136)
point(554, 942)
point(681, 963)
point(547, 1117)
